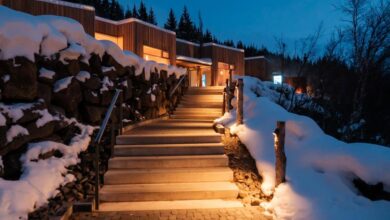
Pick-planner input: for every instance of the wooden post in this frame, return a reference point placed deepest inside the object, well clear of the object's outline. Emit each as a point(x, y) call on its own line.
point(240, 102)
point(280, 163)
point(97, 176)
point(226, 102)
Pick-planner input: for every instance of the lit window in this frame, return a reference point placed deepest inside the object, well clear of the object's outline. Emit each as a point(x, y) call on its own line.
point(117, 40)
point(277, 79)
point(156, 55)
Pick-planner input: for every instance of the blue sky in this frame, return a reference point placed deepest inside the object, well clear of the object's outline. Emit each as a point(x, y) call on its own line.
point(255, 21)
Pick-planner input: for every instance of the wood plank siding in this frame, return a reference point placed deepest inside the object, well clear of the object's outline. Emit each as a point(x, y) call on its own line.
point(137, 33)
point(81, 13)
point(220, 53)
point(257, 67)
point(187, 49)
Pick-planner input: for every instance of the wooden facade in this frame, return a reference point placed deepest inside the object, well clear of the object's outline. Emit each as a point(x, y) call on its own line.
point(223, 54)
point(85, 15)
point(188, 49)
point(257, 67)
point(137, 33)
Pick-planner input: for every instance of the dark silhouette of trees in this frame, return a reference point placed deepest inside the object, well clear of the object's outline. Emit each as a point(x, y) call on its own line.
point(171, 23)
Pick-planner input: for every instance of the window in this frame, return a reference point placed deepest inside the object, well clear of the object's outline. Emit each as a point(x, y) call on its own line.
point(117, 40)
point(277, 79)
point(223, 72)
point(157, 55)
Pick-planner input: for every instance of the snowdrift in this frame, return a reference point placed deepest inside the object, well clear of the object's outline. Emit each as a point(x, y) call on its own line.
point(320, 169)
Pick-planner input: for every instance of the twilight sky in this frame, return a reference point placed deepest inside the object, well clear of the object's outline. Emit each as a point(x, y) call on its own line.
point(255, 21)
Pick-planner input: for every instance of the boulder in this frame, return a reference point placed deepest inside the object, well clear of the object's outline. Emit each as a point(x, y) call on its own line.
point(45, 92)
point(92, 83)
point(93, 114)
point(21, 80)
point(69, 97)
point(95, 64)
point(91, 96)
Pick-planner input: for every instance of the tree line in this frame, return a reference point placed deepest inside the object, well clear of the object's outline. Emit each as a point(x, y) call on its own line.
point(184, 25)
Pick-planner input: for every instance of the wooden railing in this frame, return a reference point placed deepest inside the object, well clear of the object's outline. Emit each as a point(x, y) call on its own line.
point(228, 95)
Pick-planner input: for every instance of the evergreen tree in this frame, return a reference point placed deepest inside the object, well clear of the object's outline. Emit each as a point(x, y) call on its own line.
point(152, 17)
point(186, 28)
point(207, 37)
point(105, 8)
point(135, 12)
point(142, 12)
point(240, 45)
point(171, 23)
point(128, 13)
point(199, 31)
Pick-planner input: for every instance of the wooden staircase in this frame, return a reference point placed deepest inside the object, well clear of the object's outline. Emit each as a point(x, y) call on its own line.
point(172, 163)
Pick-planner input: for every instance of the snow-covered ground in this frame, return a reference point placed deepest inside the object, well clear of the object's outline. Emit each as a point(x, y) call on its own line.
point(320, 169)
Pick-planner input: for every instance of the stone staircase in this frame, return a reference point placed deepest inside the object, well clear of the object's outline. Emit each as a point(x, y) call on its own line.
point(175, 163)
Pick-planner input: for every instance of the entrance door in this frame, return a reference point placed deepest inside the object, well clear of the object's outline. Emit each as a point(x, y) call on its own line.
point(204, 80)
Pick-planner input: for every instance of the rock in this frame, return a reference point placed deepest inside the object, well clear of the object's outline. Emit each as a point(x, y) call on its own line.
point(255, 202)
point(91, 96)
point(92, 83)
point(30, 114)
point(95, 64)
point(44, 92)
point(106, 98)
point(69, 98)
point(22, 84)
point(93, 114)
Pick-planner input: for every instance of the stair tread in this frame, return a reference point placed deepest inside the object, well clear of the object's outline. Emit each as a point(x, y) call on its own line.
point(168, 187)
point(169, 170)
point(203, 134)
point(169, 205)
point(172, 145)
point(184, 157)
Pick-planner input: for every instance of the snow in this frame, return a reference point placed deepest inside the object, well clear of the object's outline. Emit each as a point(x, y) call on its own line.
point(15, 131)
point(41, 178)
point(3, 120)
point(15, 111)
point(83, 76)
point(106, 84)
point(45, 118)
point(205, 61)
point(108, 68)
point(6, 78)
point(45, 73)
point(25, 35)
point(320, 168)
point(62, 83)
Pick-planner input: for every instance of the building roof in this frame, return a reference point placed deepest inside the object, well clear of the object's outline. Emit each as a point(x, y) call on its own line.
point(69, 4)
point(129, 20)
point(255, 58)
point(203, 61)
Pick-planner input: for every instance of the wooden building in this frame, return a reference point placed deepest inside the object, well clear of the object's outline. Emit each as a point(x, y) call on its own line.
point(257, 67)
point(209, 64)
point(84, 14)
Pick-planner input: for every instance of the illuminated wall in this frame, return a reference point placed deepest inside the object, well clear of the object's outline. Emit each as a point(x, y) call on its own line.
point(117, 40)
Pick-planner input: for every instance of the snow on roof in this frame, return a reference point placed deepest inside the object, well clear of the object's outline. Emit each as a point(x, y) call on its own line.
point(129, 20)
point(69, 4)
point(187, 42)
point(255, 58)
point(204, 61)
point(223, 46)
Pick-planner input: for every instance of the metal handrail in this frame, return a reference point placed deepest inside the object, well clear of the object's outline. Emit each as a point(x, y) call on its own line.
point(177, 86)
point(98, 138)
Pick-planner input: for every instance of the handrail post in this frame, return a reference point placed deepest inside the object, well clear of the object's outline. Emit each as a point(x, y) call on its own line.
point(120, 114)
point(280, 163)
point(97, 175)
point(240, 102)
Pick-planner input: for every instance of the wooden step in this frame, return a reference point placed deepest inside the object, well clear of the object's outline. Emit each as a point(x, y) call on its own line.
point(162, 162)
point(167, 192)
point(195, 110)
point(200, 105)
point(182, 138)
point(169, 205)
point(190, 116)
point(178, 175)
point(169, 149)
